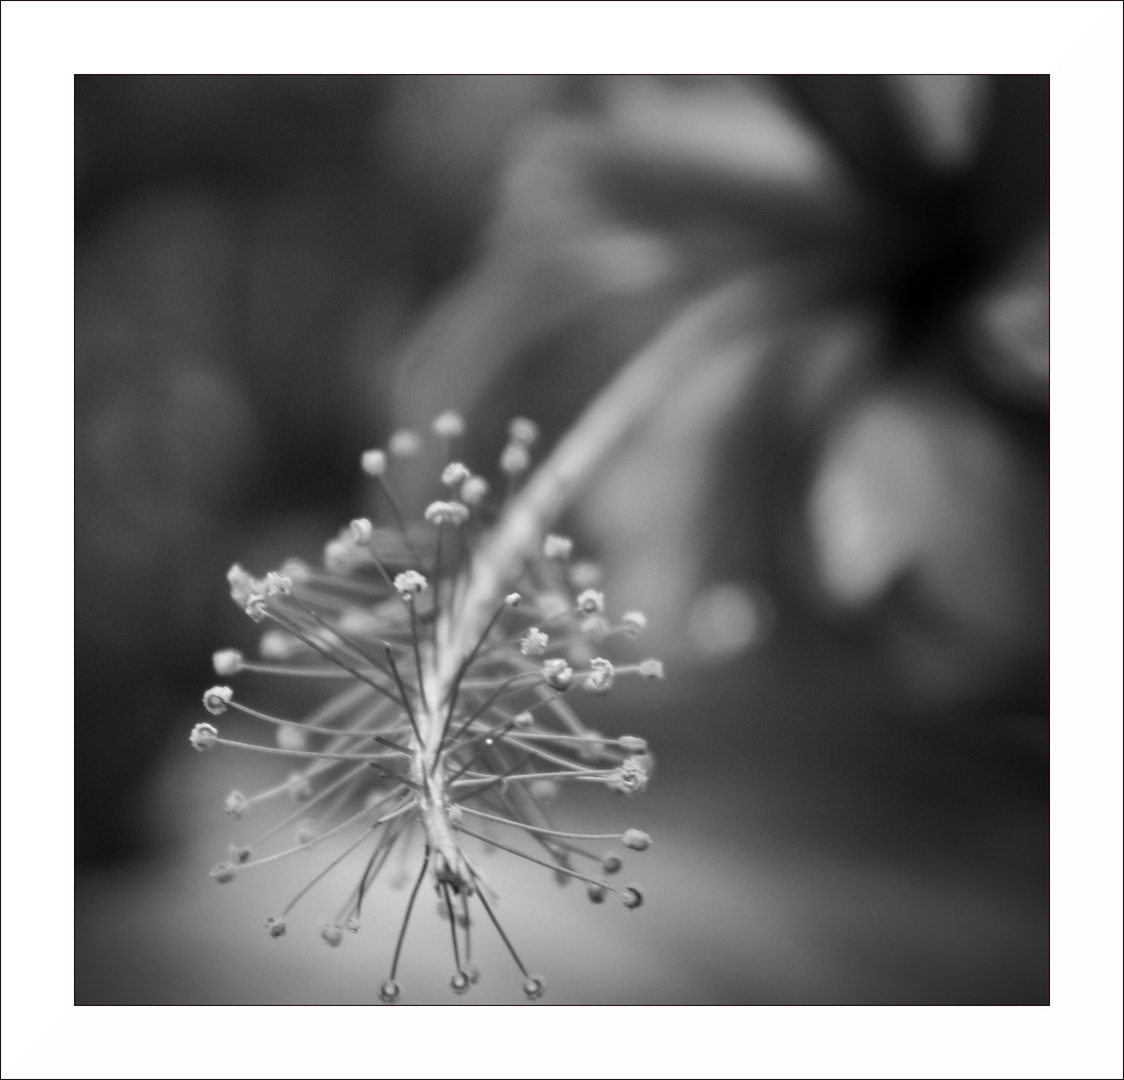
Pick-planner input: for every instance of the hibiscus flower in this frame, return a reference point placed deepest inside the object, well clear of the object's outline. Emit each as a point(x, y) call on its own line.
point(848, 277)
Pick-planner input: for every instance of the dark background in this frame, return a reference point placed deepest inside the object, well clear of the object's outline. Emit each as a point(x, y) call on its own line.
point(273, 272)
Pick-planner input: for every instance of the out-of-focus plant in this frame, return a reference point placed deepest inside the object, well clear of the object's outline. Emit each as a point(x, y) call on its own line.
point(851, 272)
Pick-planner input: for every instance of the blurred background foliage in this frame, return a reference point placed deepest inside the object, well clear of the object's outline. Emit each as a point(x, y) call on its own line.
point(837, 523)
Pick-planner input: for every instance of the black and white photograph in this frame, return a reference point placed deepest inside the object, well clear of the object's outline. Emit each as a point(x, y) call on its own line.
point(566, 540)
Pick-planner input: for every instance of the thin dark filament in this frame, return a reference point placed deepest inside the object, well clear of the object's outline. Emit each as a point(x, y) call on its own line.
point(343, 796)
point(342, 703)
point(404, 847)
point(519, 801)
point(354, 901)
point(336, 581)
point(331, 866)
point(496, 732)
point(323, 755)
point(495, 780)
point(463, 669)
point(364, 733)
point(338, 602)
point(561, 710)
point(548, 736)
point(417, 654)
point(406, 918)
point(281, 789)
point(546, 755)
point(347, 910)
point(467, 931)
point(547, 832)
point(394, 776)
point(309, 843)
point(293, 669)
point(488, 702)
point(485, 682)
point(341, 635)
point(573, 774)
point(488, 735)
point(371, 871)
point(452, 925)
point(397, 747)
point(296, 815)
point(405, 697)
point(517, 739)
point(290, 626)
point(530, 858)
point(516, 638)
point(554, 848)
point(385, 573)
point(359, 735)
point(573, 849)
point(499, 929)
point(529, 709)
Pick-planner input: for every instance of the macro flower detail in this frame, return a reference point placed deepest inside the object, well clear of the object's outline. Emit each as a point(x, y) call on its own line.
point(228, 662)
point(236, 805)
point(204, 736)
point(630, 779)
point(409, 583)
point(216, 699)
point(534, 643)
point(591, 602)
point(455, 474)
point(224, 872)
point(601, 676)
point(445, 663)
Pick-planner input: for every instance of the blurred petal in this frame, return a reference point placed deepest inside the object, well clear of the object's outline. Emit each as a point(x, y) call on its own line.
point(655, 504)
point(944, 114)
point(637, 201)
point(1009, 326)
point(923, 506)
point(731, 137)
point(862, 117)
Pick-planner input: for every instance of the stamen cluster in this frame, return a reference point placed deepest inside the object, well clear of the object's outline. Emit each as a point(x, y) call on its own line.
point(453, 717)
